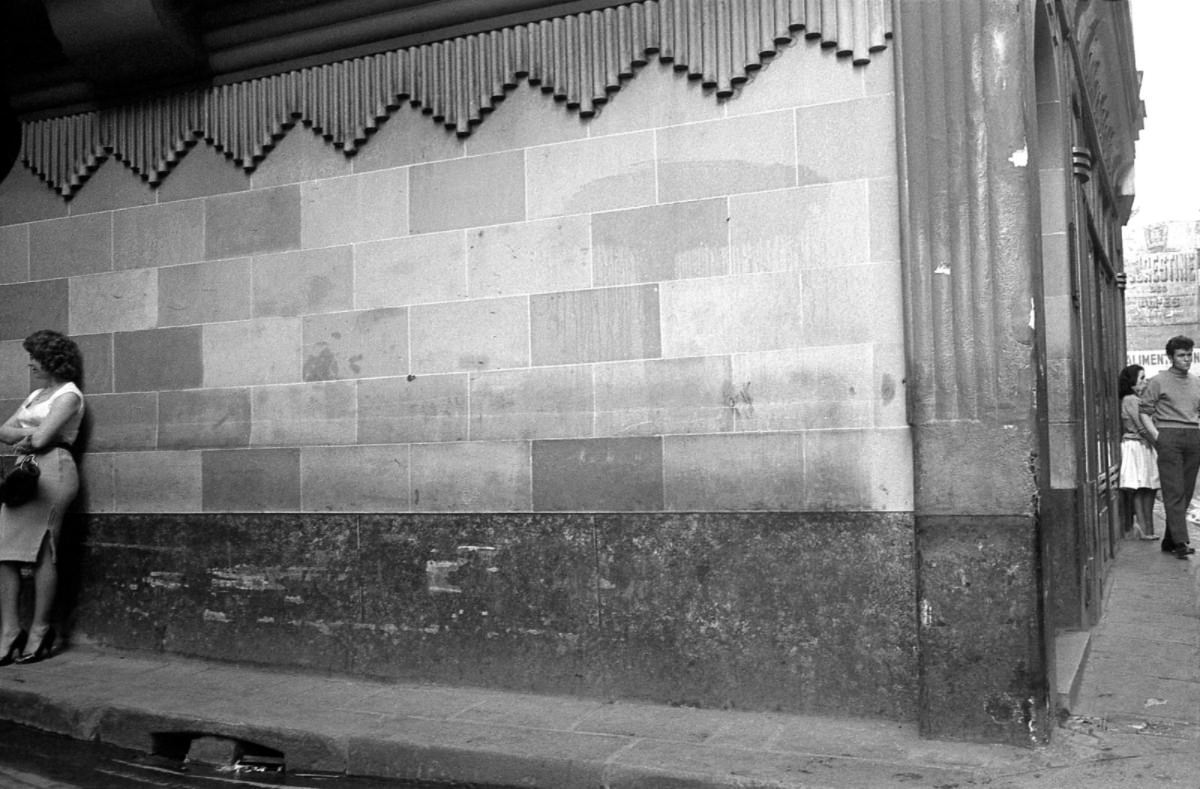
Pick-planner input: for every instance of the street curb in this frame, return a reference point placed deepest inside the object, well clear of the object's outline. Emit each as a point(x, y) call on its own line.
point(387, 754)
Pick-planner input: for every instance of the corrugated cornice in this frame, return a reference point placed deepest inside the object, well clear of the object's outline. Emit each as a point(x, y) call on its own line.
point(579, 58)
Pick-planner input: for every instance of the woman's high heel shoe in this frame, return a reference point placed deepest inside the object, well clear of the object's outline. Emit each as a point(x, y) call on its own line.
point(41, 652)
point(14, 649)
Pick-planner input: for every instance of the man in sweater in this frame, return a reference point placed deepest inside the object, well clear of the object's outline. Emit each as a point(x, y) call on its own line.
point(1172, 398)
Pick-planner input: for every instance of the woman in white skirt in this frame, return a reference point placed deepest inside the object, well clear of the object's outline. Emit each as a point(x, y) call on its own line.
point(1139, 461)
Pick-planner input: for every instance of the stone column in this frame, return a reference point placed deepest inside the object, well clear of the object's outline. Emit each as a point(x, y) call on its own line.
point(967, 111)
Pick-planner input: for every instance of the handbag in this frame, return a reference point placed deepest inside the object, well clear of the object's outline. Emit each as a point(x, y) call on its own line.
point(21, 483)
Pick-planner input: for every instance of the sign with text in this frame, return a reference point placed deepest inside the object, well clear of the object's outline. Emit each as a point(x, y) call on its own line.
point(1151, 361)
point(1161, 289)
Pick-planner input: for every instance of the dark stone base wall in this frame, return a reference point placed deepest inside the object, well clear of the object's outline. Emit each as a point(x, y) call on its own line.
point(764, 611)
point(983, 650)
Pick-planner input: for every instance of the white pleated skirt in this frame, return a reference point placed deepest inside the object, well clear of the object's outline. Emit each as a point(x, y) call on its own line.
point(1139, 465)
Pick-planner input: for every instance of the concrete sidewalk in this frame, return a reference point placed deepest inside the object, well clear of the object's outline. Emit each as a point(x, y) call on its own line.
point(1136, 719)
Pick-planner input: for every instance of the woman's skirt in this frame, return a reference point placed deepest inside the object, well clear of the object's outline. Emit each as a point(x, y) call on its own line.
point(1139, 465)
point(23, 529)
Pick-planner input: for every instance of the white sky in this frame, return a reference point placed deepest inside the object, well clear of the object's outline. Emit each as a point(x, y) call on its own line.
point(1167, 170)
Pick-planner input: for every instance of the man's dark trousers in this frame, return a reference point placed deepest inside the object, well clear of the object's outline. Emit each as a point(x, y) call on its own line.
point(1178, 464)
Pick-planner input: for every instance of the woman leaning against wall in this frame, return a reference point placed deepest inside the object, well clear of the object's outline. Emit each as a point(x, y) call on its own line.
point(45, 426)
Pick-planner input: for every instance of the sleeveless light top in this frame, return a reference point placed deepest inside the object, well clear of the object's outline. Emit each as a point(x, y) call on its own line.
point(32, 416)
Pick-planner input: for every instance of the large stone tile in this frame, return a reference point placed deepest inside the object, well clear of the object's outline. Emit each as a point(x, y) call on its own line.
point(748, 471)
point(972, 636)
point(759, 611)
point(114, 302)
point(747, 154)
point(211, 292)
point(354, 479)
point(863, 302)
point(413, 270)
point(364, 344)
point(418, 408)
point(301, 154)
point(30, 306)
point(447, 195)
point(525, 117)
point(251, 223)
point(1057, 277)
point(847, 140)
point(658, 95)
point(119, 422)
point(354, 208)
point(547, 402)
point(251, 480)
point(96, 490)
point(202, 171)
point(795, 228)
point(243, 353)
point(731, 314)
point(879, 76)
point(263, 563)
point(661, 242)
point(204, 419)
point(303, 282)
point(97, 351)
point(591, 175)
point(803, 73)
point(303, 414)
point(474, 476)
point(663, 396)
point(598, 474)
point(71, 246)
point(805, 388)
point(407, 136)
point(448, 583)
point(14, 253)
point(891, 384)
point(25, 198)
point(159, 235)
point(147, 361)
point(156, 481)
point(14, 371)
point(530, 257)
point(483, 334)
point(884, 201)
point(1052, 183)
point(599, 325)
point(7, 408)
point(112, 185)
point(859, 469)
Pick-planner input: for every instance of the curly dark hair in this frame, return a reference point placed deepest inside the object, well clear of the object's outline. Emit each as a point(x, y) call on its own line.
point(1127, 379)
point(1179, 343)
point(56, 353)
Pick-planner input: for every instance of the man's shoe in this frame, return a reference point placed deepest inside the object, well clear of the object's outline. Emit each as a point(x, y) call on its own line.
point(1182, 552)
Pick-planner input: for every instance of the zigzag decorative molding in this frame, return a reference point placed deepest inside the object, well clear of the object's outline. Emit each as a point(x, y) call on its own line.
point(580, 59)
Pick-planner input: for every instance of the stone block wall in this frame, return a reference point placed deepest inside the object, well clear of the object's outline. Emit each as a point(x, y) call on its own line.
point(682, 305)
point(701, 298)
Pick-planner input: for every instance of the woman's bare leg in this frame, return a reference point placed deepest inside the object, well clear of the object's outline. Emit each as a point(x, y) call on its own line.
point(10, 590)
point(1143, 507)
point(45, 586)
